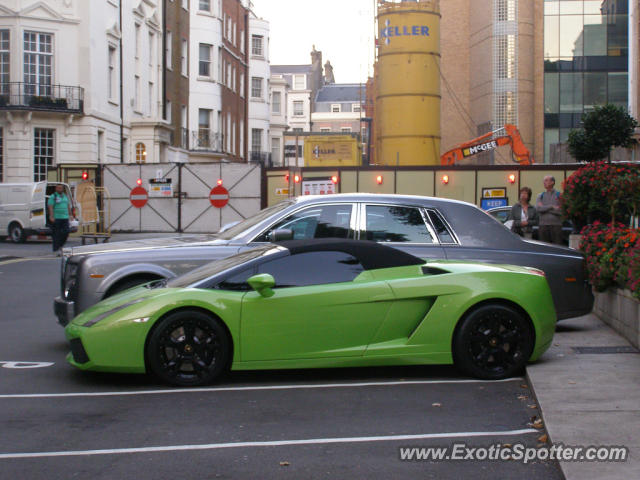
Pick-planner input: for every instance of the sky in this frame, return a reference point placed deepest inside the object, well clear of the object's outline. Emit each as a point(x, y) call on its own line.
point(343, 30)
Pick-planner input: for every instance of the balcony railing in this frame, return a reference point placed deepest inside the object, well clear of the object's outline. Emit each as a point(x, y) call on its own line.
point(49, 98)
point(263, 158)
point(206, 140)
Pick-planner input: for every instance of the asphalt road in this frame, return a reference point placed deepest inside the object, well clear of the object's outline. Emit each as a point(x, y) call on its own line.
point(57, 422)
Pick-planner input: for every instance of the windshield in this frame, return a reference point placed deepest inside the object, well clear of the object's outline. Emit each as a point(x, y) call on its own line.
point(247, 223)
point(210, 269)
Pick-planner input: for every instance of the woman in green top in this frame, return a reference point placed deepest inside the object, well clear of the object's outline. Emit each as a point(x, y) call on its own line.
point(60, 211)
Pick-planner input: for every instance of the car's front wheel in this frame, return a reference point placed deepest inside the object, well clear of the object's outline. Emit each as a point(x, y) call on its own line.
point(188, 348)
point(493, 341)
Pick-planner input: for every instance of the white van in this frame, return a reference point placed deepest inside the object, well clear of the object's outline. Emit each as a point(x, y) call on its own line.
point(23, 209)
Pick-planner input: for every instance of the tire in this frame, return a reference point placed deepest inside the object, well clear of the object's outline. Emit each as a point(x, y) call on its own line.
point(493, 342)
point(16, 233)
point(176, 360)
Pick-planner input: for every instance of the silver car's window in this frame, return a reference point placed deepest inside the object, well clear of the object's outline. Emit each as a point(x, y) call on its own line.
point(254, 220)
point(321, 221)
point(445, 235)
point(386, 223)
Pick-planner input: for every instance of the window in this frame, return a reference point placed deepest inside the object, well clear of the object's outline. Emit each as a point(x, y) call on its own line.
point(137, 41)
point(237, 281)
point(298, 108)
point(183, 57)
point(356, 108)
point(256, 139)
point(168, 50)
point(335, 108)
point(150, 100)
point(299, 82)
point(275, 150)
point(220, 66)
point(444, 234)
point(185, 4)
point(312, 268)
point(141, 153)
point(204, 127)
point(1, 155)
point(183, 116)
point(204, 5)
point(298, 130)
point(275, 102)
point(396, 224)
point(167, 111)
point(111, 78)
point(256, 45)
point(256, 87)
point(42, 152)
point(38, 63)
point(227, 67)
point(242, 84)
point(152, 41)
point(315, 222)
point(325, 129)
point(204, 66)
point(136, 94)
point(4, 62)
point(345, 129)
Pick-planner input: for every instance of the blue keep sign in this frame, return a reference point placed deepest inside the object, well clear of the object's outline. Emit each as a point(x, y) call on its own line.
point(487, 203)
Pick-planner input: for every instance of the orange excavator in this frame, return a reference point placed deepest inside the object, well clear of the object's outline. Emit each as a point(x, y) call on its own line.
point(508, 135)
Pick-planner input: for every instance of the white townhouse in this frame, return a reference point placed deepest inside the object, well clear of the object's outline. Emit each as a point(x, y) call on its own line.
point(79, 86)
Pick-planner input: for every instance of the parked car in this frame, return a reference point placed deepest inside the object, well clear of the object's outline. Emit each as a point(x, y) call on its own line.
point(320, 303)
point(502, 214)
point(23, 209)
point(429, 228)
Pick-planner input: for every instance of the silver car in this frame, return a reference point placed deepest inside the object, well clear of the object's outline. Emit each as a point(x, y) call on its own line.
point(423, 226)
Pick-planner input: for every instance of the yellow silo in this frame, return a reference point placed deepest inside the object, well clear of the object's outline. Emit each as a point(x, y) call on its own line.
point(407, 93)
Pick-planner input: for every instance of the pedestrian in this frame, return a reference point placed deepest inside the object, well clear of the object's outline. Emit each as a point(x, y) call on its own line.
point(550, 214)
point(60, 210)
point(523, 214)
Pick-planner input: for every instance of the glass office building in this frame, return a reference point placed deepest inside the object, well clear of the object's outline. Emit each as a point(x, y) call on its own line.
point(586, 62)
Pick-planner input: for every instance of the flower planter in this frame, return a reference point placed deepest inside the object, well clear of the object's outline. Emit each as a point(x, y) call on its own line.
point(620, 310)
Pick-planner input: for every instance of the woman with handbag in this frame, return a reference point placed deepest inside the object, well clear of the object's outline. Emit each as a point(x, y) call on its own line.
point(523, 214)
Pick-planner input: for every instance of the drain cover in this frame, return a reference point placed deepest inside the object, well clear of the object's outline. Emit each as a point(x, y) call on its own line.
point(605, 350)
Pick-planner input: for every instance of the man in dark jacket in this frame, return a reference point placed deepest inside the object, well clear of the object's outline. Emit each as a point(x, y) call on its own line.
point(548, 207)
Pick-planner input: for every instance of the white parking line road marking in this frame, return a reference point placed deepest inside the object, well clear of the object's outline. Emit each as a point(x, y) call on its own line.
point(258, 387)
point(273, 443)
point(21, 365)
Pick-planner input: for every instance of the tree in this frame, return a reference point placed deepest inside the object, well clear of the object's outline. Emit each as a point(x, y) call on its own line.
point(603, 128)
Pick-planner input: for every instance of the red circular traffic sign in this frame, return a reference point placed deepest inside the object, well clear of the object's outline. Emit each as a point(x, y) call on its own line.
point(219, 196)
point(138, 197)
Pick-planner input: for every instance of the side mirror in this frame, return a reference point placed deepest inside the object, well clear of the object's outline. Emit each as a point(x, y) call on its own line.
point(280, 234)
point(262, 283)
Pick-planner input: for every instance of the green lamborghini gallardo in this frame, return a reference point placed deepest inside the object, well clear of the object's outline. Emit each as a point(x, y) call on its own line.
point(320, 303)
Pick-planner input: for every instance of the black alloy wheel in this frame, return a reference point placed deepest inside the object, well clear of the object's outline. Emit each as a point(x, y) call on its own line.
point(493, 342)
point(188, 348)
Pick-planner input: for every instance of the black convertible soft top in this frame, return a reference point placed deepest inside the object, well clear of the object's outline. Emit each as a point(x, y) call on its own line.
point(371, 255)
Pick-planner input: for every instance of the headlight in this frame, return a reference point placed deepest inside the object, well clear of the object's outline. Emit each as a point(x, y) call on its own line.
point(70, 273)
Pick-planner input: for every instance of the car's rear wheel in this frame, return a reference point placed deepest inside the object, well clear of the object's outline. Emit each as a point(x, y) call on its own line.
point(188, 348)
point(16, 233)
point(493, 341)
